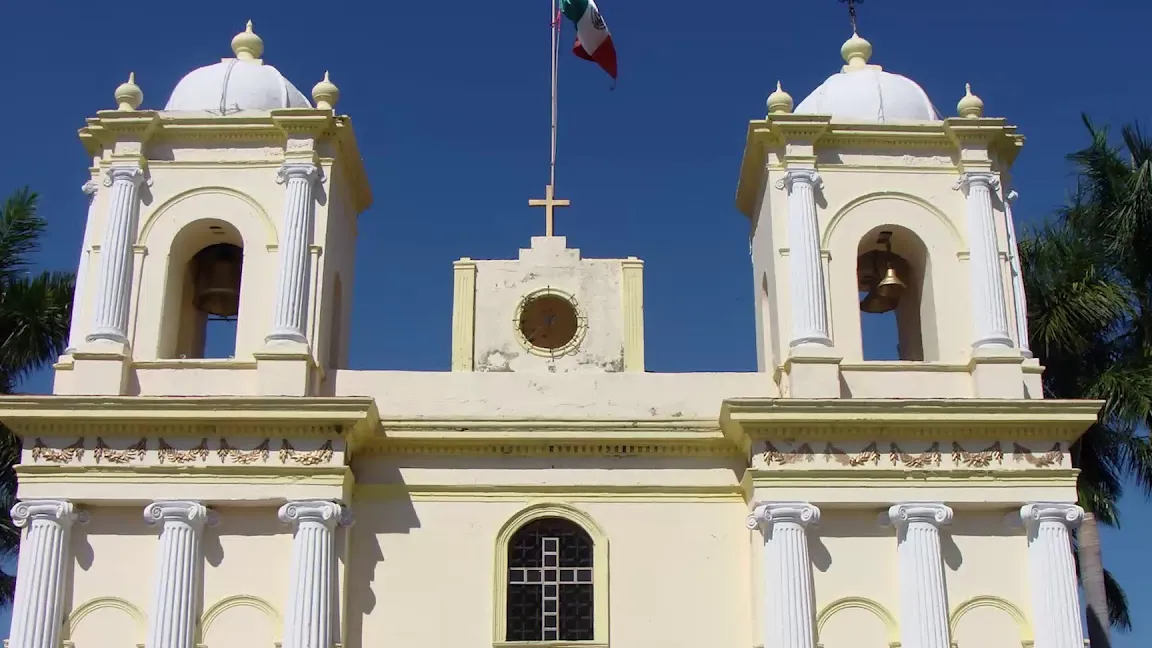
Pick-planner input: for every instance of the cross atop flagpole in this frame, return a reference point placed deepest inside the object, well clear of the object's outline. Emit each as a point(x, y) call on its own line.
point(550, 202)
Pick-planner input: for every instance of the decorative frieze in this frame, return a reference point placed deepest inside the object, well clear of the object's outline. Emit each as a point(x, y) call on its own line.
point(67, 454)
point(321, 455)
point(168, 454)
point(159, 450)
point(134, 452)
point(227, 453)
point(903, 454)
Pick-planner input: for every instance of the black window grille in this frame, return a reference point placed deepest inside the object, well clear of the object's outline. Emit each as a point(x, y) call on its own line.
point(550, 582)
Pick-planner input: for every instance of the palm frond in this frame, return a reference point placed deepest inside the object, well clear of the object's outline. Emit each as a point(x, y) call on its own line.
point(20, 230)
point(35, 314)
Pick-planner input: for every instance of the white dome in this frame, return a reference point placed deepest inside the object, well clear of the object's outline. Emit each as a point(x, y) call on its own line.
point(862, 92)
point(234, 84)
point(241, 83)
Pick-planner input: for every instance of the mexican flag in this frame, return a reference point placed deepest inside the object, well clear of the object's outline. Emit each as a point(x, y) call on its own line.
point(593, 42)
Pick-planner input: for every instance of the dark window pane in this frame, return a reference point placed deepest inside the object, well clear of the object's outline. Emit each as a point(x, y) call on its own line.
point(527, 602)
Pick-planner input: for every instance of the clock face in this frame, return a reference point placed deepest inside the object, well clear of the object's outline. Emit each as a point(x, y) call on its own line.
point(548, 321)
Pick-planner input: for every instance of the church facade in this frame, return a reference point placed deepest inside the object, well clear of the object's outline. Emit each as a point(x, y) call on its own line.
point(546, 491)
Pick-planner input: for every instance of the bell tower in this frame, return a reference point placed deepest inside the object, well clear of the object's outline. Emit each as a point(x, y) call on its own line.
point(864, 202)
point(220, 243)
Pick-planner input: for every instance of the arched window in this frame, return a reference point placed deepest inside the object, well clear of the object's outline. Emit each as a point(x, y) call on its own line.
point(202, 298)
point(552, 571)
point(898, 316)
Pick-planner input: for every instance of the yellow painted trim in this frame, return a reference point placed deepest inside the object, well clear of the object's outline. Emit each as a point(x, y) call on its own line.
point(99, 603)
point(910, 366)
point(654, 493)
point(891, 195)
point(863, 478)
point(160, 211)
point(240, 600)
point(1004, 605)
point(600, 571)
point(632, 294)
point(861, 603)
point(239, 475)
point(195, 363)
point(464, 315)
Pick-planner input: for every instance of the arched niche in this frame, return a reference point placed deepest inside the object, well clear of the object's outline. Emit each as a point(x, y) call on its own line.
point(239, 619)
point(167, 240)
point(195, 252)
point(983, 631)
point(105, 622)
point(936, 313)
point(887, 634)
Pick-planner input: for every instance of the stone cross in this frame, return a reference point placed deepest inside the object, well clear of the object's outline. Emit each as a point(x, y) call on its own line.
point(549, 203)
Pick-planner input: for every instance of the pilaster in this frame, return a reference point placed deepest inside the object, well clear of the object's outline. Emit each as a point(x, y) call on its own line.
point(312, 619)
point(179, 569)
point(38, 608)
point(923, 593)
point(1052, 573)
point(789, 602)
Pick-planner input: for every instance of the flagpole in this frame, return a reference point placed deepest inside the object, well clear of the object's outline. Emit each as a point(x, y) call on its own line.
point(555, 69)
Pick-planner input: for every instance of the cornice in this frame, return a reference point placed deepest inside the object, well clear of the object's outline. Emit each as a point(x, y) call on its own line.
point(568, 492)
point(746, 419)
point(583, 437)
point(880, 478)
point(354, 415)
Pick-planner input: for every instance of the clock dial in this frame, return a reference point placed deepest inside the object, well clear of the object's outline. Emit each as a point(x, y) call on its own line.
point(548, 321)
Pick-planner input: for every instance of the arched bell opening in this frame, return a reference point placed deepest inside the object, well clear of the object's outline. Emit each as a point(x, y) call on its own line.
point(202, 304)
point(897, 320)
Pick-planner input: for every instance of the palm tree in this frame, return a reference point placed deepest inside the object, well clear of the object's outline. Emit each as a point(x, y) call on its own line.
point(35, 312)
point(1089, 288)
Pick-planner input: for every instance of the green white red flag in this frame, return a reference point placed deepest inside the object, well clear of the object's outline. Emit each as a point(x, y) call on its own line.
point(593, 42)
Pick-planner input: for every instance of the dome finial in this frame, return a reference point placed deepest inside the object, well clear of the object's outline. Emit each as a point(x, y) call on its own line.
point(325, 94)
point(856, 51)
point(970, 105)
point(128, 95)
point(779, 101)
point(247, 45)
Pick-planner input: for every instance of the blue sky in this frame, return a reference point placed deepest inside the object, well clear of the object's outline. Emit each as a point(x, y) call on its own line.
point(450, 103)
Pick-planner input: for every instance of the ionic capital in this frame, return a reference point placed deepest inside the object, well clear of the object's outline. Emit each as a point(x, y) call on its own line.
point(1070, 515)
point(324, 512)
point(800, 176)
point(1011, 196)
point(936, 514)
point(126, 173)
point(60, 512)
point(768, 513)
point(194, 514)
point(977, 179)
point(306, 171)
point(89, 188)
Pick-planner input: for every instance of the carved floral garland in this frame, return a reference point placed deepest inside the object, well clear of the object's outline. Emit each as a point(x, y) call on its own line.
point(170, 454)
point(260, 452)
point(67, 454)
point(104, 452)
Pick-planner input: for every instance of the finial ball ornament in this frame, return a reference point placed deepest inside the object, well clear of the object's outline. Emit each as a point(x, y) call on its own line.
point(247, 45)
point(779, 101)
point(128, 95)
point(325, 93)
point(856, 51)
point(970, 105)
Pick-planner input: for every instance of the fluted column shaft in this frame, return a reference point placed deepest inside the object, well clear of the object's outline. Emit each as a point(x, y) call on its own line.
point(110, 319)
point(789, 612)
point(1052, 571)
point(311, 620)
point(291, 307)
point(1019, 298)
point(176, 593)
point(989, 308)
point(38, 609)
point(89, 188)
point(809, 304)
point(923, 594)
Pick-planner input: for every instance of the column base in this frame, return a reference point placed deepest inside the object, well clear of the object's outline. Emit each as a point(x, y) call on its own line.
point(998, 372)
point(101, 368)
point(284, 370)
point(813, 372)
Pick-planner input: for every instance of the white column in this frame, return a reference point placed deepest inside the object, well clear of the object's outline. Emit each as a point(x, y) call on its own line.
point(809, 304)
point(89, 188)
point(923, 597)
point(989, 308)
point(176, 592)
point(1055, 593)
point(38, 609)
point(311, 620)
point(789, 614)
point(1019, 299)
point(110, 321)
point(291, 308)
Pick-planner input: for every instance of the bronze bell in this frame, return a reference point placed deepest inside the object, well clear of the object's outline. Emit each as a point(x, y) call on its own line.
point(217, 280)
point(890, 287)
point(875, 303)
